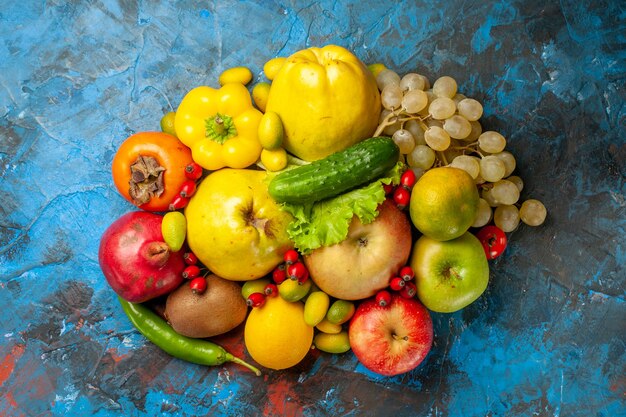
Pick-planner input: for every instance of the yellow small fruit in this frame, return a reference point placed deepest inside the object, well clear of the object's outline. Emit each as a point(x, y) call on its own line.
point(270, 131)
point(444, 203)
point(276, 335)
point(292, 291)
point(167, 123)
point(240, 75)
point(340, 312)
point(376, 68)
point(328, 327)
point(257, 285)
point(274, 160)
point(174, 230)
point(260, 93)
point(332, 343)
point(315, 307)
point(272, 67)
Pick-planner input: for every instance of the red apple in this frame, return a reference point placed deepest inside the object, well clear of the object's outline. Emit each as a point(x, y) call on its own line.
point(393, 339)
point(365, 261)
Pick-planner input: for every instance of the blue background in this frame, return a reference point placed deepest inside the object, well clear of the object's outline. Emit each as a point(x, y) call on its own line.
point(77, 78)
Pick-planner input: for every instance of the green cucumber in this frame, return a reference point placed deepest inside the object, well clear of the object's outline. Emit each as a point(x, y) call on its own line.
point(337, 173)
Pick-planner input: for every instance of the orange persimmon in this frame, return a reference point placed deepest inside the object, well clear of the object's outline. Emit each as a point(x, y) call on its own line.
point(149, 169)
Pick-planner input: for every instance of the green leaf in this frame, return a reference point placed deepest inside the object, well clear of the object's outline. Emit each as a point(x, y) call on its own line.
point(326, 222)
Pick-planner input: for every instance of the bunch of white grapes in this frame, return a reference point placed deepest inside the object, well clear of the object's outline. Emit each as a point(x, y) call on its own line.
point(437, 126)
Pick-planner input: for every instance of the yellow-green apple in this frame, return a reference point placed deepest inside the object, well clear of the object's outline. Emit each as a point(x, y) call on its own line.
point(363, 263)
point(449, 275)
point(234, 227)
point(392, 339)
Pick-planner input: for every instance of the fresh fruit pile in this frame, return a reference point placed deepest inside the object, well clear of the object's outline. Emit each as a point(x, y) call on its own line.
point(333, 206)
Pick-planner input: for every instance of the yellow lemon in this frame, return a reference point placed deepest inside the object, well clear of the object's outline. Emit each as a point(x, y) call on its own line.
point(276, 335)
point(174, 229)
point(444, 203)
point(240, 75)
point(327, 100)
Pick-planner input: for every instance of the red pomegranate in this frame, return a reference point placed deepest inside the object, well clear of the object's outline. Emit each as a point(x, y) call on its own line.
point(135, 260)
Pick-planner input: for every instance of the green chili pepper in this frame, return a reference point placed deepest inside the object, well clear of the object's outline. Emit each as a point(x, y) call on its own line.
point(199, 351)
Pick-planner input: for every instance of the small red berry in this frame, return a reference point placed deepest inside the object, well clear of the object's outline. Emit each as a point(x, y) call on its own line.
point(397, 283)
point(256, 299)
point(304, 277)
point(408, 179)
point(270, 290)
point(191, 271)
point(406, 272)
point(188, 188)
point(383, 298)
point(291, 256)
point(190, 258)
point(388, 188)
point(198, 285)
point(179, 202)
point(193, 171)
point(279, 274)
point(296, 271)
point(402, 197)
point(409, 290)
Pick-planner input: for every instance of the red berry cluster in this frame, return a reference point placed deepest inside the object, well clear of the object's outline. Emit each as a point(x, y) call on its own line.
point(401, 283)
point(193, 172)
point(192, 272)
point(257, 299)
point(401, 194)
point(293, 268)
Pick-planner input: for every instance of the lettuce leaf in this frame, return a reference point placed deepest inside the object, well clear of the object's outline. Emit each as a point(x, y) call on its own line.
point(326, 222)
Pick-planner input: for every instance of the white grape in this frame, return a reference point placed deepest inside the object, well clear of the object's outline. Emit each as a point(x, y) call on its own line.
point(426, 82)
point(488, 197)
point(414, 101)
point(445, 87)
point(416, 130)
point(533, 212)
point(387, 77)
point(505, 192)
point(421, 156)
point(491, 142)
point(475, 133)
point(404, 139)
point(468, 164)
point(469, 108)
point(441, 108)
point(457, 127)
point(484, 214)
point(517, 181)
point(457, 98)
point(412, 81)
point(508, 160)
point(433, 122)
point(388, 130)
point(437, 138)
point(492, 169)
point(391, 96)
point(506, 218)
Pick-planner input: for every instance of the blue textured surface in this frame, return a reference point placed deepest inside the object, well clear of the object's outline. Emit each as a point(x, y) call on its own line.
point(76, 78)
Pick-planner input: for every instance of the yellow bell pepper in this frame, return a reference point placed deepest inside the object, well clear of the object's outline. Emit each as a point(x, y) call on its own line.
point(220, 126)
point(327, 100)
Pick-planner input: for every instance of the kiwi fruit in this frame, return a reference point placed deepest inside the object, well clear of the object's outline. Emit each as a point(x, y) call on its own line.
point(217, 310)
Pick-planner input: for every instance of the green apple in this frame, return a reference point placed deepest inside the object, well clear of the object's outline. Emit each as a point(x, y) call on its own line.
point(449, 275)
